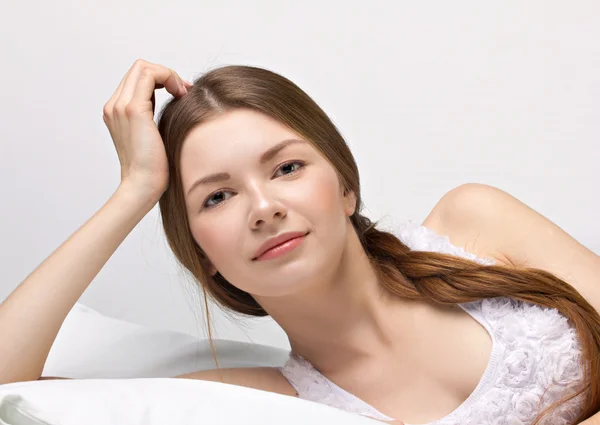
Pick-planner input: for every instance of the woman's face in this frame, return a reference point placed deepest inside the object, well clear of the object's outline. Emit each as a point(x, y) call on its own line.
point(259, 193)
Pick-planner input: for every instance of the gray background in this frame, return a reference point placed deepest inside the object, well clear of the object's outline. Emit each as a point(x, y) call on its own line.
point(428, 94)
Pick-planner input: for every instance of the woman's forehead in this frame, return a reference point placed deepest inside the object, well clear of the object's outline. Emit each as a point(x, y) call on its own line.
point(243, 131)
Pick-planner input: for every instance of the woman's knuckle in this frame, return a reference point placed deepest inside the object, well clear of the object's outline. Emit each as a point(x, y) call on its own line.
point(107, 110)
point(130, 110)
point(146, 72)
point(119, 108)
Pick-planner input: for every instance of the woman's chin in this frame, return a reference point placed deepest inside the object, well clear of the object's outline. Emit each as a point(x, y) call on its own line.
point(286, 280)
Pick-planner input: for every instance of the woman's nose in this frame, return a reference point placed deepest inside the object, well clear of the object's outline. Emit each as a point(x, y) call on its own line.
point(265, 209)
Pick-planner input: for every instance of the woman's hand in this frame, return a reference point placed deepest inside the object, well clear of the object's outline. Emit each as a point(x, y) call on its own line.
point(129, 116)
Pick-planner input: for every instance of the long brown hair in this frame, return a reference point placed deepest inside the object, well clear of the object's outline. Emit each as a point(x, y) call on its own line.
point(416, 275)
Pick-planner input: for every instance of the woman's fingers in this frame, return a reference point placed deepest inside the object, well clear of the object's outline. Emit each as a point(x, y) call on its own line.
point(146, 84)
point(165, 77)
point(126, 91)
point(109, 105)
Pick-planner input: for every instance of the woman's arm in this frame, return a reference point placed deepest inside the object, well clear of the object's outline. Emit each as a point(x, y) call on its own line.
point(33, 313)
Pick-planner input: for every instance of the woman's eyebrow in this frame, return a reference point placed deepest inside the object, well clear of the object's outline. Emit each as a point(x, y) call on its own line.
point(265, 157)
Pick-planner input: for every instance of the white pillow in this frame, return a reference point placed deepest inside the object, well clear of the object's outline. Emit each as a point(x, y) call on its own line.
point(91, 345)
point(159, 401)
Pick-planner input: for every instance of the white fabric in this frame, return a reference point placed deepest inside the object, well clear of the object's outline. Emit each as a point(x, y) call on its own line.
point(533, 347)
point(158, 401)
point(91, 345)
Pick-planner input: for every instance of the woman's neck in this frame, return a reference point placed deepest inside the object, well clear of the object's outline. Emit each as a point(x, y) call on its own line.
point(346, 317)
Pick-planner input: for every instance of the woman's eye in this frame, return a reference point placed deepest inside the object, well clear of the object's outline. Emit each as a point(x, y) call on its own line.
point(289, 165)
point(219, 196)
point(214, 196)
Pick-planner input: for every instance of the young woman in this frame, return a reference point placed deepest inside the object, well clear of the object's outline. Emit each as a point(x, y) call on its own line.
point(260, 199)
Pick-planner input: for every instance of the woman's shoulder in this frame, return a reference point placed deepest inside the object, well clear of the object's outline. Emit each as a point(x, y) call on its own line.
point(454, 217)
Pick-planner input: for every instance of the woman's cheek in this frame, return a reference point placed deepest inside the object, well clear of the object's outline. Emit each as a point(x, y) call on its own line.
point(322, 195)
point(212, 238)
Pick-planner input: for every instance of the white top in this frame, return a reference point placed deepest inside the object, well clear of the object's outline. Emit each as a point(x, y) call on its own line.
point(532, 347)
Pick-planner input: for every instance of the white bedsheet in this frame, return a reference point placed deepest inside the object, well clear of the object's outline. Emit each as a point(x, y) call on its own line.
point(158, 401)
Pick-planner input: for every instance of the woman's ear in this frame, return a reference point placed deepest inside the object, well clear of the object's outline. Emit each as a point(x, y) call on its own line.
point(349, 202)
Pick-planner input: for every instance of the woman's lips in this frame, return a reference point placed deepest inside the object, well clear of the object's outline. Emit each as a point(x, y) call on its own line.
point(281, 249)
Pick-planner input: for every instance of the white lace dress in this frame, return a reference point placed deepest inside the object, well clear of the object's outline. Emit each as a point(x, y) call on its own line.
point(533, 347)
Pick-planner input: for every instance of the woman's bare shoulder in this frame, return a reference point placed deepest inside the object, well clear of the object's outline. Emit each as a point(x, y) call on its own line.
point(458, 215)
